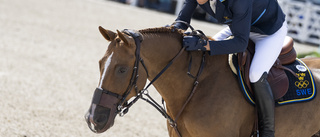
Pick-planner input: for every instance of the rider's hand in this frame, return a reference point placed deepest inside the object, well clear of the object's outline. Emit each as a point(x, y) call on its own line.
point(194, 43)
point(178, 25)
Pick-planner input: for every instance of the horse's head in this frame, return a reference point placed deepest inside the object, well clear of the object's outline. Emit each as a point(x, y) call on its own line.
point(120, 79)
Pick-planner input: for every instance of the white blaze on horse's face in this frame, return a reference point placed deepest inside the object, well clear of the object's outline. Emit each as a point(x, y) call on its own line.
point(106, 66)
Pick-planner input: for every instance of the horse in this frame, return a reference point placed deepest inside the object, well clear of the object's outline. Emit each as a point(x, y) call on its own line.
point(217, 107)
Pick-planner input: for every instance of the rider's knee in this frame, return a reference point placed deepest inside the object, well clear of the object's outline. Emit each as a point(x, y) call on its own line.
point(254, 76)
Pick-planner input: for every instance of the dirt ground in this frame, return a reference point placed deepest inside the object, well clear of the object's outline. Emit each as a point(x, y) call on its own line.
point(49, 52)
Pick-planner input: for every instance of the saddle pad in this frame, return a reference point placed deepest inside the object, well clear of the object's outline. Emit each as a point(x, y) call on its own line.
point(301, 88)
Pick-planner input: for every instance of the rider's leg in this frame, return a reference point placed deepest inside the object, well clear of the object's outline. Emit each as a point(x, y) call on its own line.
point(267, 51)
point(265, 106)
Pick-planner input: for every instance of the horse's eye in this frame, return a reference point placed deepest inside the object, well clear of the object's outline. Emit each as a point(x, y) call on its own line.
point(122, 70)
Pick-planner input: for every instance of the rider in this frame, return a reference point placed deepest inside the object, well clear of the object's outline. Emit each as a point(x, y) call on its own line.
point(260, 20)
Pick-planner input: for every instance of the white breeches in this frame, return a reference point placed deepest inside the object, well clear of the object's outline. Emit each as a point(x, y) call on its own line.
point(267, 50)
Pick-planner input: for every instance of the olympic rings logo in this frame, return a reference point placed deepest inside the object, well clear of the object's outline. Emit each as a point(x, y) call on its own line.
point(302, 84)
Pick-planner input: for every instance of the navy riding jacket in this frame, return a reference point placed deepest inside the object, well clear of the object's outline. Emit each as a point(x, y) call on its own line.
point(242, 16)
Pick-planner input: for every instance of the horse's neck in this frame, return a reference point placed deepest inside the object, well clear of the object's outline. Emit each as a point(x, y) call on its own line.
point(157, 51)
point(174, 85)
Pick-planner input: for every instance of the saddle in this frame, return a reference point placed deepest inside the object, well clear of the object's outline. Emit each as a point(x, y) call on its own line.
point(277, 77)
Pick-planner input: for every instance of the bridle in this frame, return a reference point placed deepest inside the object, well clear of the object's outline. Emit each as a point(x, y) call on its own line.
point(122, 106)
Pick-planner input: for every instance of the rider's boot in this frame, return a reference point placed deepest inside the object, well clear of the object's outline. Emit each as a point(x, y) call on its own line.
point(265, 106)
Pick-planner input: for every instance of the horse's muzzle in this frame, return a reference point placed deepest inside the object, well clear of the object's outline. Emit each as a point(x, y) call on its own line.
point(102, 112)
point(98, 119)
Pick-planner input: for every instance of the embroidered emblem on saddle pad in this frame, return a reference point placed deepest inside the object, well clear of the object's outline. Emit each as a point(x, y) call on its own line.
point(301, 87)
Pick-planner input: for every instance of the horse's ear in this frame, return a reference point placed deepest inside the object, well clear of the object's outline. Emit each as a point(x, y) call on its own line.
point(126, 39)
point(107, 34)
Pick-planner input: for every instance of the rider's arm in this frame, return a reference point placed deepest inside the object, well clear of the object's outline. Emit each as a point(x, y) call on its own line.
point(240, 28)
point(186, 13)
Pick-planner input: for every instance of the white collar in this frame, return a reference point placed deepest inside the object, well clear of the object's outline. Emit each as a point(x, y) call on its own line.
point(213, 5)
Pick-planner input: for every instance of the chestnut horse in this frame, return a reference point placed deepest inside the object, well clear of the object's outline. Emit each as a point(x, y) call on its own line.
point(217, 108)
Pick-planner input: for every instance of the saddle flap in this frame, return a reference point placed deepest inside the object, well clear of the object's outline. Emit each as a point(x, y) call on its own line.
point(278, 81)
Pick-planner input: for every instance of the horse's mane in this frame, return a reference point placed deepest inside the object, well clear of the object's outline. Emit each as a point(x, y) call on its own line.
point(166, 30)
point(162, 30)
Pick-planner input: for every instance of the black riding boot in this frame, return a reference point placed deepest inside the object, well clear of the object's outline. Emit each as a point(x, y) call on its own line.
point(265, 106)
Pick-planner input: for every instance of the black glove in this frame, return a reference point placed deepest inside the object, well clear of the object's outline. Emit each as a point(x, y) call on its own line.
point(178, 25)
point(194, 43)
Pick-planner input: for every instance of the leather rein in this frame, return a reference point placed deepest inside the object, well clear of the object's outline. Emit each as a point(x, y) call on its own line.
point(123, 105)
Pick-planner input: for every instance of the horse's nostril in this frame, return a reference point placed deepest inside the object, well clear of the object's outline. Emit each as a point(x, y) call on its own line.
point(101, 115)
point(101, 119)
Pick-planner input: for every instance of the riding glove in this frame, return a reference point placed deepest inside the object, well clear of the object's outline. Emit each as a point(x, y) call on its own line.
point(194, 43)
point(178, 25)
